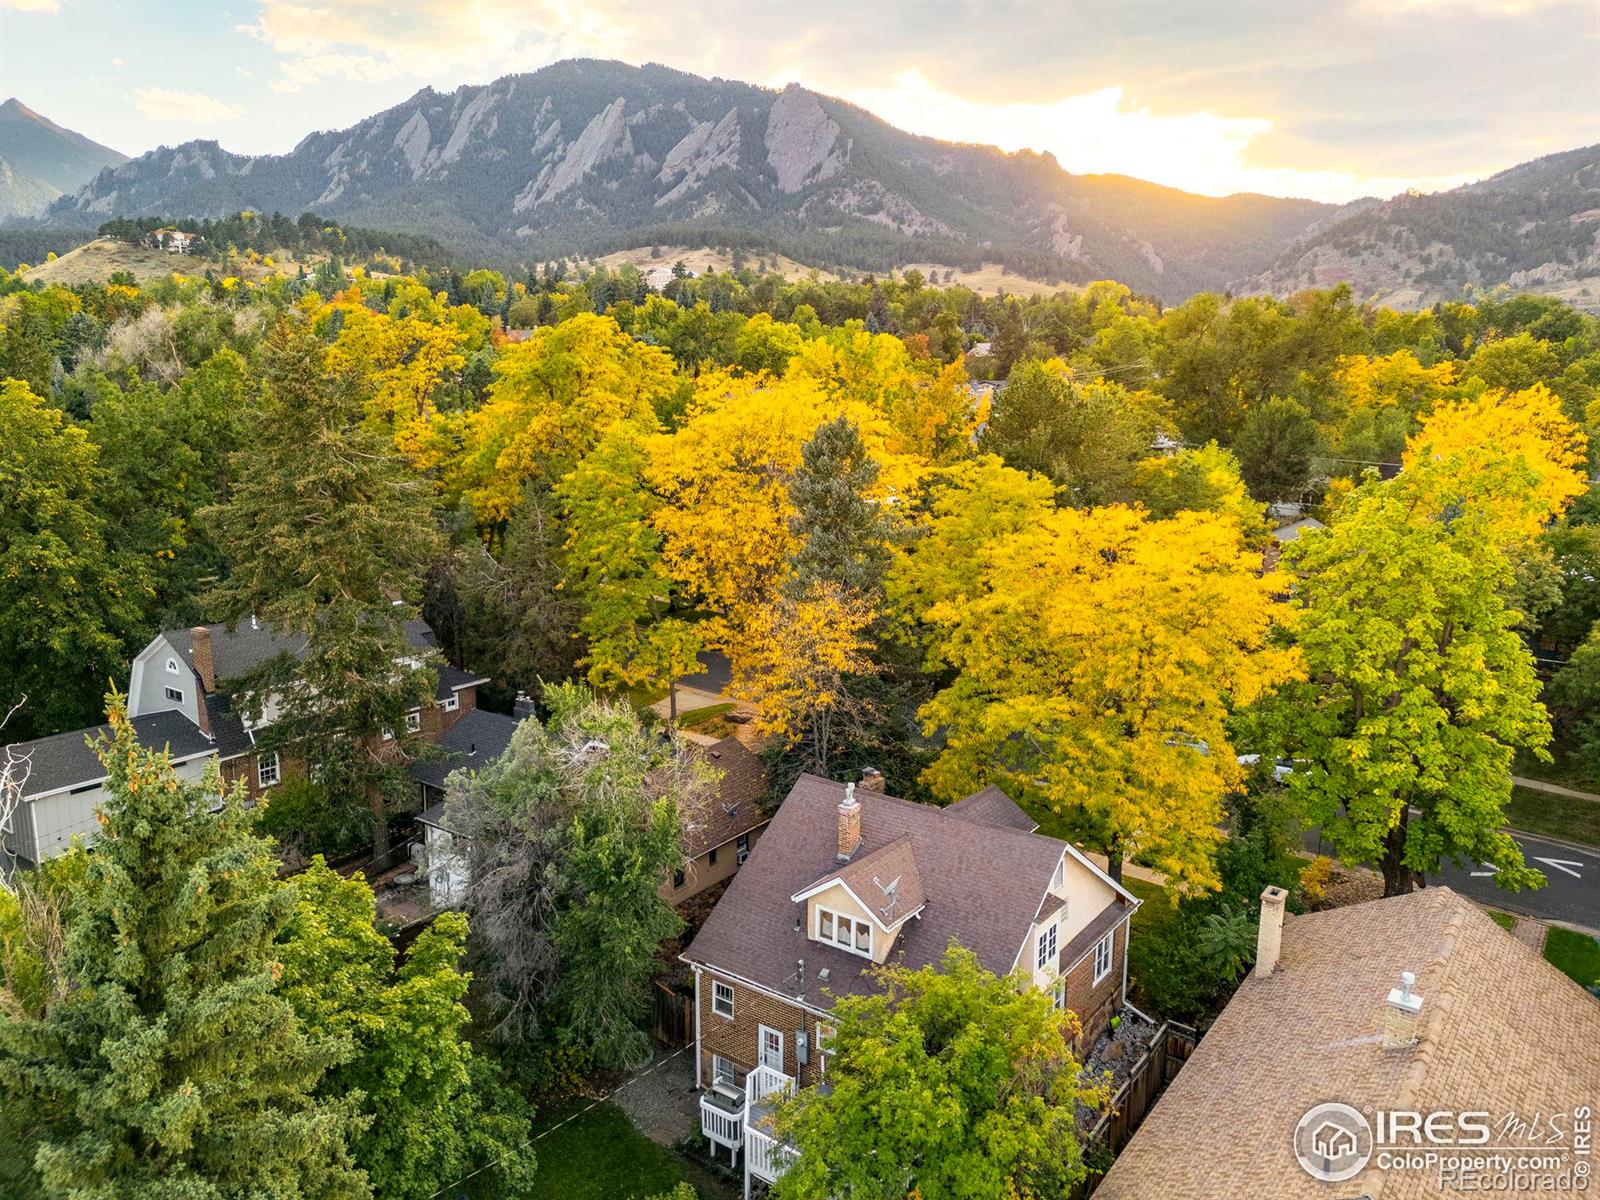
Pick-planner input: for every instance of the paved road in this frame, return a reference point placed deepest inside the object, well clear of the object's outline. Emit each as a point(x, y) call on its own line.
point(1571, 894)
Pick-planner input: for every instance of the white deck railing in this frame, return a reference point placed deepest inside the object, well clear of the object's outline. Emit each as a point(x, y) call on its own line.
point(767, 1085)
point(720, 1125)
point(765, 1156)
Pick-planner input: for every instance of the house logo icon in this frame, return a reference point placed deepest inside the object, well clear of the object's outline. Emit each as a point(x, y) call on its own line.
point(1333, 1142)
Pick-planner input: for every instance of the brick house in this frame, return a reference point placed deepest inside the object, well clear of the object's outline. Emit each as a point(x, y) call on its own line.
point(722, 829)
point(177, 698)
point(845, 878)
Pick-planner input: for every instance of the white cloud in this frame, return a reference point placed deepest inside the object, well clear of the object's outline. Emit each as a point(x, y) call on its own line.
point(32, 6)
point(1104, 132)
point(372, 41)
point(191, 108)
point(117, 61)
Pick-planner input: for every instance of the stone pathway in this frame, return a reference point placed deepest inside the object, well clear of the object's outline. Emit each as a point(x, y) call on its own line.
point(1555, 789)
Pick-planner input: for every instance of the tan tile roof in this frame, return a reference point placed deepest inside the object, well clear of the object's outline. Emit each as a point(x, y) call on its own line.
point(871, 876)
point(1501, 1030)
point(736, 805)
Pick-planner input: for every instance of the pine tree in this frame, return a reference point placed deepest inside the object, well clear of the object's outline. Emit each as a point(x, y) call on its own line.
point(331, 533)
point(843, 537)
point(168, 1066)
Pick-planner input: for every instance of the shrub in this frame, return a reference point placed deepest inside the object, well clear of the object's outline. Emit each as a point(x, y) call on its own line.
point(305, 820)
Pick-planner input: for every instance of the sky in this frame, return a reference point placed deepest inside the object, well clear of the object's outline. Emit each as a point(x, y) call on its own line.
point(1329, 99)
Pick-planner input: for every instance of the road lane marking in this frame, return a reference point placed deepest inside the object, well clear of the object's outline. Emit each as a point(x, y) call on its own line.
point(1561, 864)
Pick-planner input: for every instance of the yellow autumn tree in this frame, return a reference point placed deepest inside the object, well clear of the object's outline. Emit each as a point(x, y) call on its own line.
point(1397, 380)
point(1514, 454)
point(1200, 479)
point(1099, 657)
point(400, 363)
point(553, 399)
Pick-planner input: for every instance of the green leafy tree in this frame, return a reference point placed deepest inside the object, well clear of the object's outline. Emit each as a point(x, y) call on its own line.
point(615, 556)
point(950, 1082)
point(572, 832)
point(166, 1064)
point(68, 603)
point(1419, 690)
point(330, 533)
point(1227, 939)
point(1278, 441)
point(436, 1110)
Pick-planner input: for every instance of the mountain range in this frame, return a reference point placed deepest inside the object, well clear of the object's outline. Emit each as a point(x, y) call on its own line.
point(39, 160)
point(585, 156)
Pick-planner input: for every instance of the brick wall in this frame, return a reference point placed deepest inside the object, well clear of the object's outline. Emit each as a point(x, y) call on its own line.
point(738, 1040)
point(1095, 1004)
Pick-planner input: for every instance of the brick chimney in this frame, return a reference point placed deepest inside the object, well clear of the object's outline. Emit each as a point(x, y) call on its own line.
point(1270, 935)
point(1400, 1014)
point(871, 780)
point(200, 636)
point(849, 823)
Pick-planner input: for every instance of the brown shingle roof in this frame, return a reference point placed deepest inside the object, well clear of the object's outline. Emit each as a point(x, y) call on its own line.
point(737, 805)
point(983, 885)
point(886, 881)
point(1500, 1030)
point(993, 807)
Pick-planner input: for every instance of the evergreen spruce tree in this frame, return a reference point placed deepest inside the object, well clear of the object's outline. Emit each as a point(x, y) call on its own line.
point(168, 1066)
point(843, 536)
point(331, 534)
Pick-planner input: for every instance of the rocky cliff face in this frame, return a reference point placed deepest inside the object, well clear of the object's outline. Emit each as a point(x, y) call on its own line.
point(591, 155)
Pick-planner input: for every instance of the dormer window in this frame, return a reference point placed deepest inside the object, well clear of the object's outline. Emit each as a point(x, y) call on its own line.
point(1047, 945)
point(844, 931)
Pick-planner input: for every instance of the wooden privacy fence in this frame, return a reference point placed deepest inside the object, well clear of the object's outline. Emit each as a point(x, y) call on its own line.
point(672, 1017)
point(1158, 1064)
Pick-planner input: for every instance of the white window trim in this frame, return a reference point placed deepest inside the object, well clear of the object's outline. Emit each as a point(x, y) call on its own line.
point(452, 702)
point(717, 989)
point(266, 766)
point(825, 1035)
point(1108, 945)
point(1048, 946)
point(721, 1067)
point(1058, 992)
point(1060, 879)
point(388, 735)
point(741, 849)
point(414, 721)
point(761, 1046)
point(172, 667)
point(856, 925)
point(173, 694)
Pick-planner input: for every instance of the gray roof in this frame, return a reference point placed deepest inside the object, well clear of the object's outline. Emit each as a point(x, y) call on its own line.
point(226, 727)
point(65, 760)
point(245, 647)
point(982, 886)
point(1292, 532)
point(477, 738)
point(993, 807)
point(451, 680)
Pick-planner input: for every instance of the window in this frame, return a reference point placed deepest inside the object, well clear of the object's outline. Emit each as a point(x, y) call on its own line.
point(267, 773)
point(1057, 883)
point(824, 1044)
point(741, 849)
point(175, 695)
point(172, 666)
point(388, 735)
point(1102, 956)
point(845, 932)
point(722, 999)
point(1047, 945)
point(1059, 993)
point(677, 878)
point(725, 1073)
point(413, 722)
point(452, 703)
point(711, 857)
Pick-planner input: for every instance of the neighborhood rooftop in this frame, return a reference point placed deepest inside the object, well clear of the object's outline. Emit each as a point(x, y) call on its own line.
point(1500, 1030)
point(968, 878)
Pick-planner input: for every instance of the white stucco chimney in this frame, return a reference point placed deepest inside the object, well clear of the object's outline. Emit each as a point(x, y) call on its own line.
point(1269, 937)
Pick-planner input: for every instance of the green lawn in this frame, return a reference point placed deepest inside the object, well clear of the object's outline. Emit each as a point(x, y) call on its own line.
point(699, 716)
point(1576, 954)
point(601, 1156)
point(1503, 919)
point(1554, 816)
point(1567, 767)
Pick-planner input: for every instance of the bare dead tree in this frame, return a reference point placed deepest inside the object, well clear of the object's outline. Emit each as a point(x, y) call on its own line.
point(15, 767)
